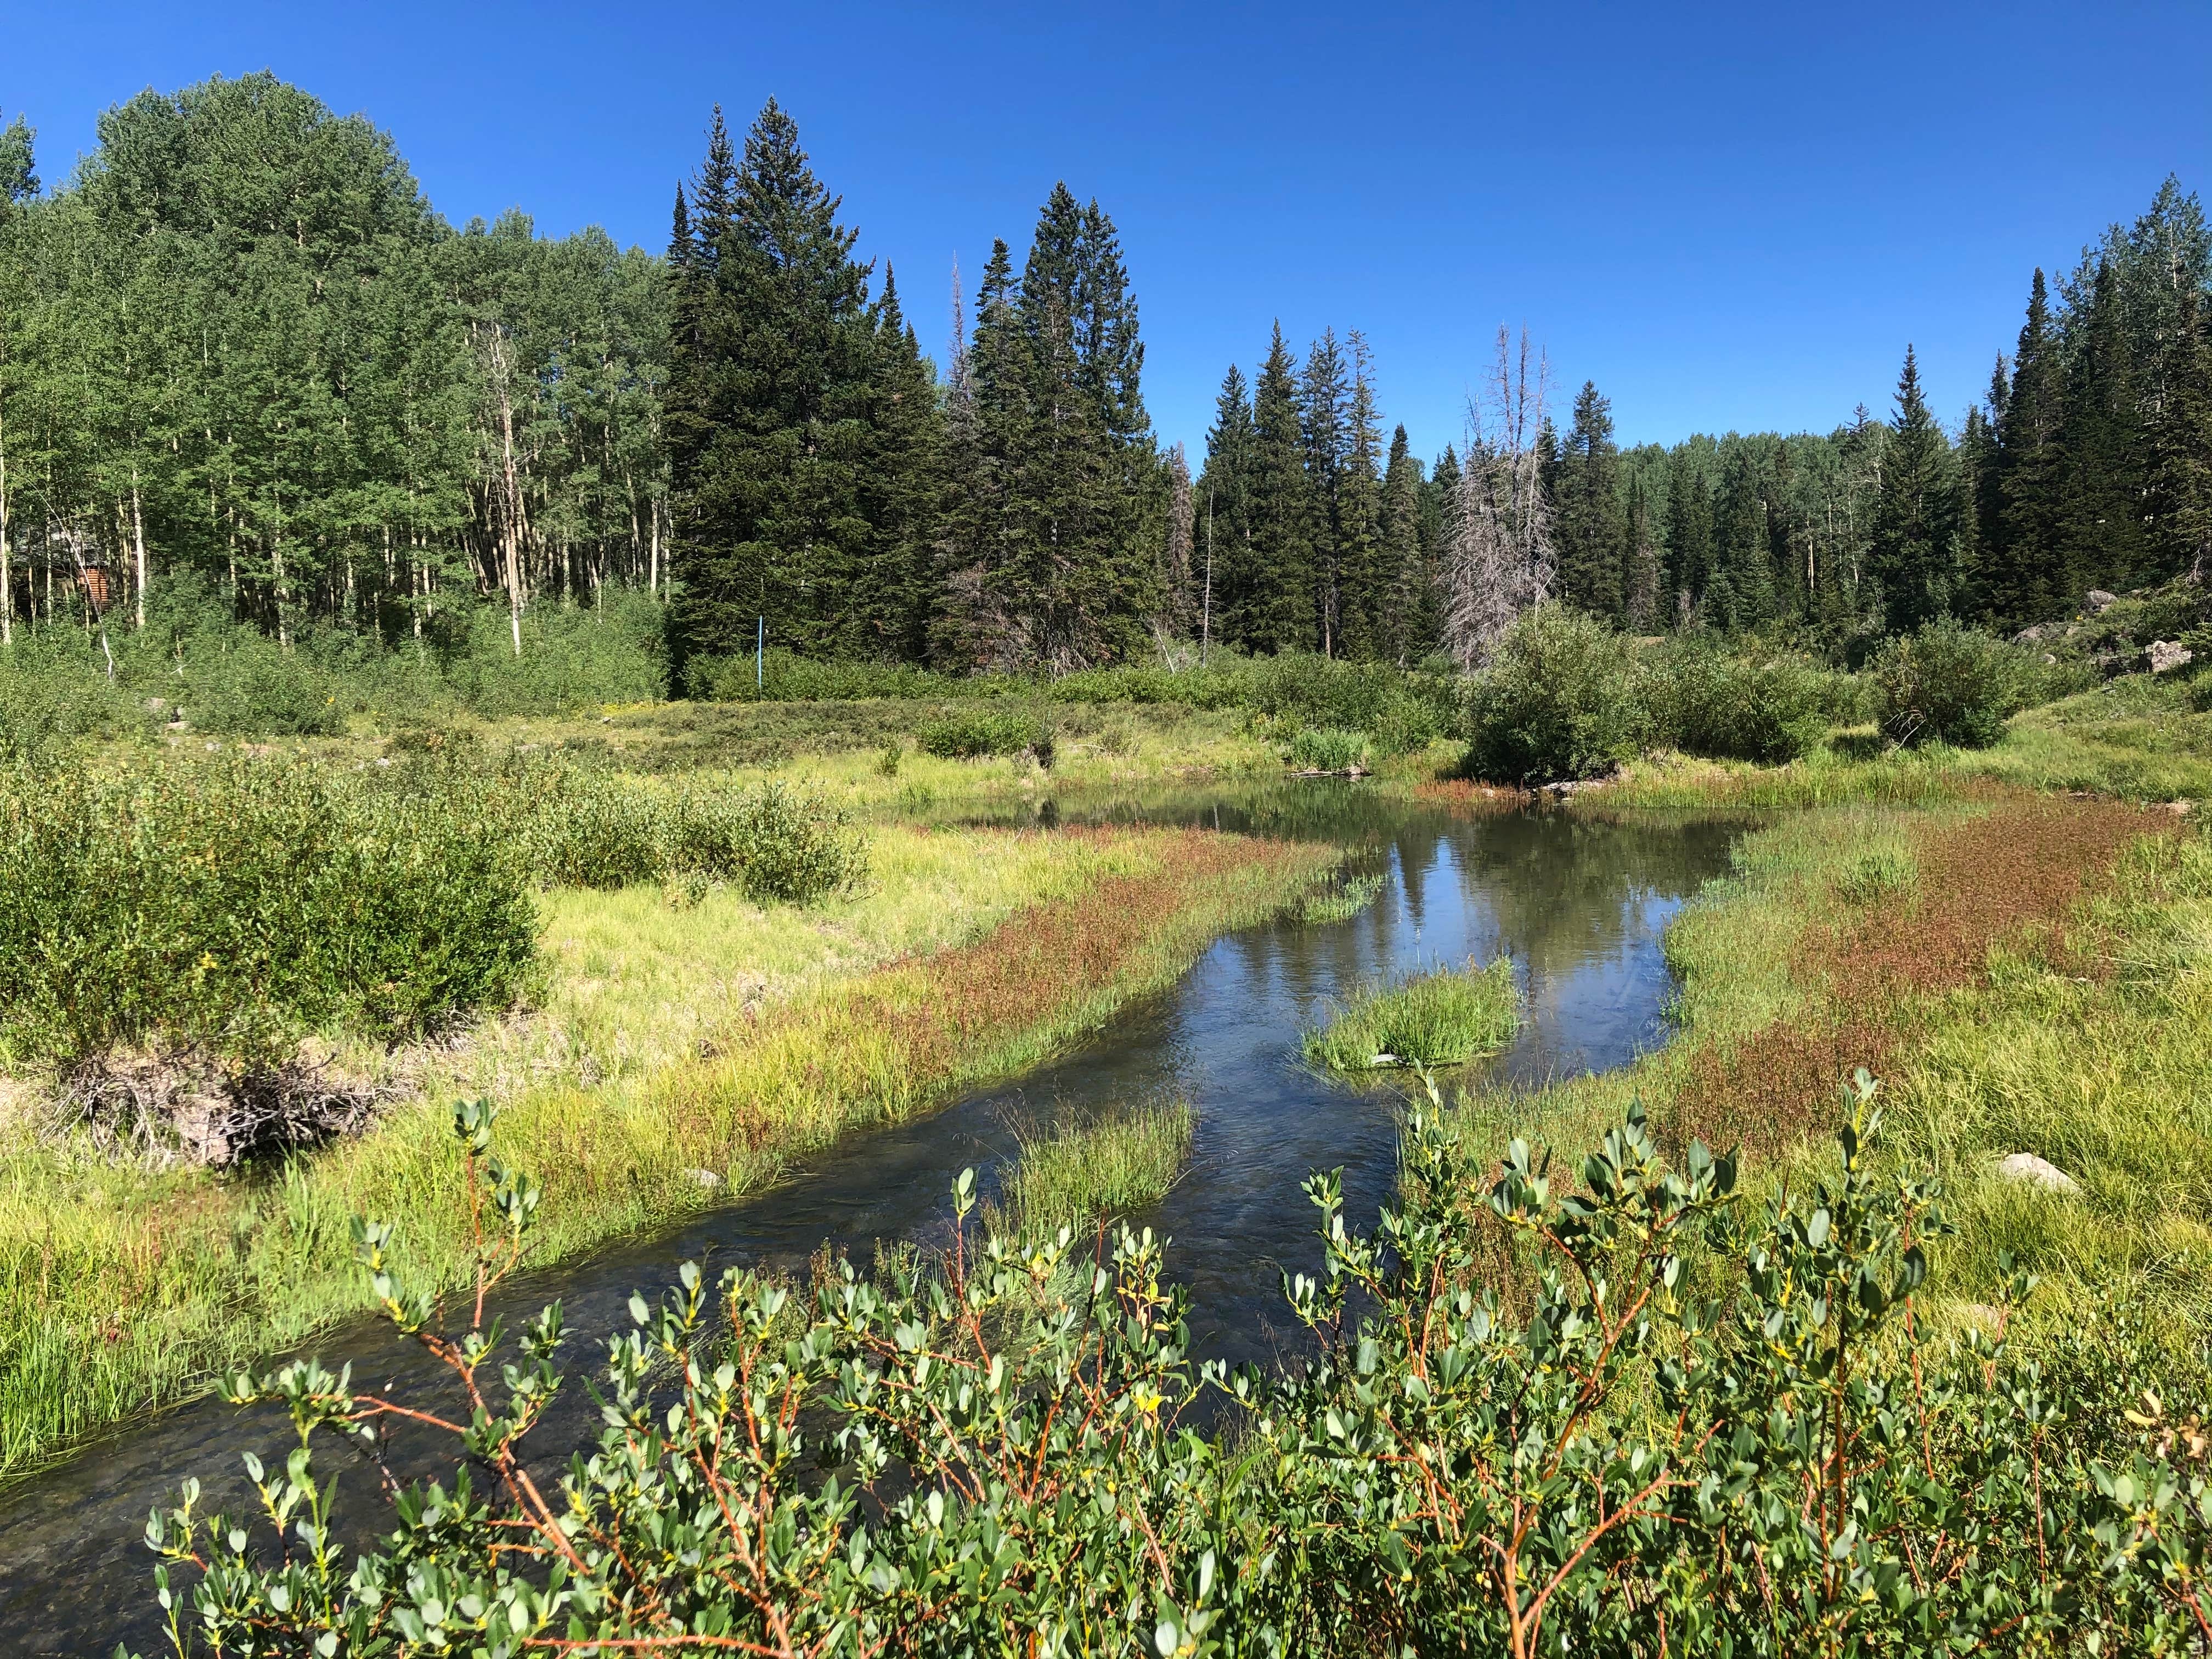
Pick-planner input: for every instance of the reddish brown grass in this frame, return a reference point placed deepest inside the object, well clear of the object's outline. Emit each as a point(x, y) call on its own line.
point(2013, 877)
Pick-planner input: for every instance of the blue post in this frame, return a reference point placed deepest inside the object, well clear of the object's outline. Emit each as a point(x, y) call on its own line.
point(760, 653)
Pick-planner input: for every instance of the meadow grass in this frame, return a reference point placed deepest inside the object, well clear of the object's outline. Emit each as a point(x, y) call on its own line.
point(1445, 1018)
point(1070, 1174)
point(1340, 900)
point(682, 1056)
point(2023, 973)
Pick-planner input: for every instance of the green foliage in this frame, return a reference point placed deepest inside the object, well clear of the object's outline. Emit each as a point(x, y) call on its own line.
point(1947, 683)
point(235, 904)
point(1445, 1018)
point(1876, 876)
point(1563, 697)
point(972, 733)
point(585, 826)
point(1327, 748)
point(1708, 701)
point(1606, 1460)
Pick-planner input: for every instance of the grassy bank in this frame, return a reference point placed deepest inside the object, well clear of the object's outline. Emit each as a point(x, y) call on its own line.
point(2026, 973)
point(681, 1055)
point(1071, 1174)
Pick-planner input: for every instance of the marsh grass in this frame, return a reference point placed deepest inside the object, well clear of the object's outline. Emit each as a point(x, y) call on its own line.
point(1074, 1172)
point(1340, 900)
point(1445, 1018)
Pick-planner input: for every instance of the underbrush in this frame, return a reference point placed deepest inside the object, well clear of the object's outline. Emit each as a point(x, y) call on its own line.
point(979, 732)
point(1588, 1459)
point(1400, 710)
point(1445, 1018)
point(1074, 1173)
point(235, 905)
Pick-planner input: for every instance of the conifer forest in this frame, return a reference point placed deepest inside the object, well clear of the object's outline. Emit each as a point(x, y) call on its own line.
point(287, 390)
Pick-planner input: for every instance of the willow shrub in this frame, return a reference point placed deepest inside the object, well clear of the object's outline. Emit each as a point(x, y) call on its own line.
point(588, 826)
point(234, 904)
point(1563, 696)
point(1709, 702)
point(1686, 1431)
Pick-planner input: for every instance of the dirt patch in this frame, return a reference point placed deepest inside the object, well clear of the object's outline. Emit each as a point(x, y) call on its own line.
point(2015, 876)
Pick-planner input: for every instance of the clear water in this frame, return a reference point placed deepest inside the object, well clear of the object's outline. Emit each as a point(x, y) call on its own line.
point(1578, 905)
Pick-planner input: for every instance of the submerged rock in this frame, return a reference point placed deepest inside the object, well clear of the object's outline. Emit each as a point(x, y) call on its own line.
point(2038, 1172)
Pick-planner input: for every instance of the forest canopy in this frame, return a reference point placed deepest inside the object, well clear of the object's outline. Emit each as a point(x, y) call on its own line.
point(250, 379)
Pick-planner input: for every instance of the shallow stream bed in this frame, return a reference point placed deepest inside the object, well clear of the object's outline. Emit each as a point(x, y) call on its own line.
point(1578, 905)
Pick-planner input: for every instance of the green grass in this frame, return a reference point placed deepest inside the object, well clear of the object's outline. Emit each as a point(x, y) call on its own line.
point(1071, 1174)
point(1446, 1018)
point(1340, 900)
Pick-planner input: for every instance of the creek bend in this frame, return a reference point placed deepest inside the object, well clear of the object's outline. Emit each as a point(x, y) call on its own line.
point(1579, 904)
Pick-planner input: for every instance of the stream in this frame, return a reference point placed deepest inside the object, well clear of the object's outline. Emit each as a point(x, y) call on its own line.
point(1578, 904)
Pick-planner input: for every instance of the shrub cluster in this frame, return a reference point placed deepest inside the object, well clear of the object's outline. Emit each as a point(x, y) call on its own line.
point(1678, 1430)
point(235, 904)
point(1398, 709)
point(969, 734)
point(1952, 684)
point(1563, 696)
point(1328, 749)
point(588, 826)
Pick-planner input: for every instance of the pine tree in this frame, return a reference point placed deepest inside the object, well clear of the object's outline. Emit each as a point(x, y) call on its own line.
point(2182, 484)
point(1586, 489)
point(2025, 585)
point(2103, 446)
point(1689, 532)
point(1323, 414)
point(1277, 613)
point(1364, 582)
point(1407, 628)
point(1222, 516)
point(1912, 554)
point(775, 523)
point(1640, 573)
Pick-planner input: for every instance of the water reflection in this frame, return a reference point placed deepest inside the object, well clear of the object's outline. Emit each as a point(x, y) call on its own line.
point(1579, 907)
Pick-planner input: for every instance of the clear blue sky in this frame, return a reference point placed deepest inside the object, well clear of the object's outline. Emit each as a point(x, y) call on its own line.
point(1730, 217)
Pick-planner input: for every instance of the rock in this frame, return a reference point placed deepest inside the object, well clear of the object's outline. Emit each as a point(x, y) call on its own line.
point(2027, 1167)
point(2099, 600)
point(2166, 654)
point(2029, 636)
point(706, 1178)
point(1386, 1060)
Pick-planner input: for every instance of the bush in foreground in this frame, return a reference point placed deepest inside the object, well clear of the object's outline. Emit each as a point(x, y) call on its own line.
point(1446, 1018)
point(1605, 1461)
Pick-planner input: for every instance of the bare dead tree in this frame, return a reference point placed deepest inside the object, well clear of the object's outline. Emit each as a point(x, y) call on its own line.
point(1498, 558)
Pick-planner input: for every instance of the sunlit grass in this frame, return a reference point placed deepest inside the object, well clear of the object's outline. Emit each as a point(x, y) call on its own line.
point(1446, 1018)
point(1073, 1173)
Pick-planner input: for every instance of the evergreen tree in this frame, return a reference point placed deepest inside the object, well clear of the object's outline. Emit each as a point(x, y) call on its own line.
point(1912, 555)
point(1222, 515)
point(775, 523)
point(1689, 532)
point(2026, 583)
point(1586, 491)
point(1640, 573)
point(2103, 449)
point(1363, 581)
point(2182, 483)
point(1277, 609)
point(1324, 415)
point(1407, 628)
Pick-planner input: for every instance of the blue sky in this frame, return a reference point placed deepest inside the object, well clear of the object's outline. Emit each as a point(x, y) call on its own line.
point(1729, 216)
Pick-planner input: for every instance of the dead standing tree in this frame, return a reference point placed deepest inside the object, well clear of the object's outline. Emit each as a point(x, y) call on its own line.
point(1498, 559)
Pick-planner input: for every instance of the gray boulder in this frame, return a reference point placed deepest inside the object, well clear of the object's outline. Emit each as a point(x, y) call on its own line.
point(2034, 1171)
point(2166, 654)
point(2099, 600)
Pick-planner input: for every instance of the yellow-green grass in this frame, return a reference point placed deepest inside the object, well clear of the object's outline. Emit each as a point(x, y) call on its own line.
point(1069, 1174)
point(1444, 1017)
point(681, 1056)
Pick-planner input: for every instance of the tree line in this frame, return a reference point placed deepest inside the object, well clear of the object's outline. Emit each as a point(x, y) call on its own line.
point(242, 359)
